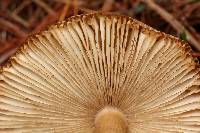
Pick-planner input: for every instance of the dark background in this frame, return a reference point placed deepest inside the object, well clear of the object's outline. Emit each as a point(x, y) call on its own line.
point(20, 18)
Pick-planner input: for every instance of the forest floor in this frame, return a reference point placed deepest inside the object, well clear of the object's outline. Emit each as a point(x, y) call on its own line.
point(20, 18)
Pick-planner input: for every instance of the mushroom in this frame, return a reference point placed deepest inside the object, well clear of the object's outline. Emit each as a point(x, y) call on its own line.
point(100, 73)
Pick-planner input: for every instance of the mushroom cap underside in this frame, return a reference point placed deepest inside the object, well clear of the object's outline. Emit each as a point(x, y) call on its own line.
point(60, 79)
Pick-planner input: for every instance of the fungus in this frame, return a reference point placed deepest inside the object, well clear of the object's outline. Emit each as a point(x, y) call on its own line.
point(100, 73)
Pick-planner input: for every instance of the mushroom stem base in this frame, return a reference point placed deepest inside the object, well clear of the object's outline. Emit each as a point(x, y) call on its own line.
point(110, 120)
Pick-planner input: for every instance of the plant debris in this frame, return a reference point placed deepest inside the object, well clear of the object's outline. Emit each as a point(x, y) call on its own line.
point(21, 18)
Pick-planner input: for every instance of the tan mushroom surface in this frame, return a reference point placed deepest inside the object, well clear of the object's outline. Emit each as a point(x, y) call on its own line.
point(100, 73)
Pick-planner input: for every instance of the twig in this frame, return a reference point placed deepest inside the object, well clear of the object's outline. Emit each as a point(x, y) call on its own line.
point(75, 3)
point(6, 54)
point(65, 10)
point(4, 5)
point(21, 6)
point(8, 45)
point(190, 8)
point(45, 6)
point(49, 19)
point(33, 20)
point(19, 20)
point(173, 22)
point(3, 36)
point(61, 1)
point(191, 29)
point(107, 6)
point(86, 10)
point(8, 26)
point(17, 10)
point(196, 54)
